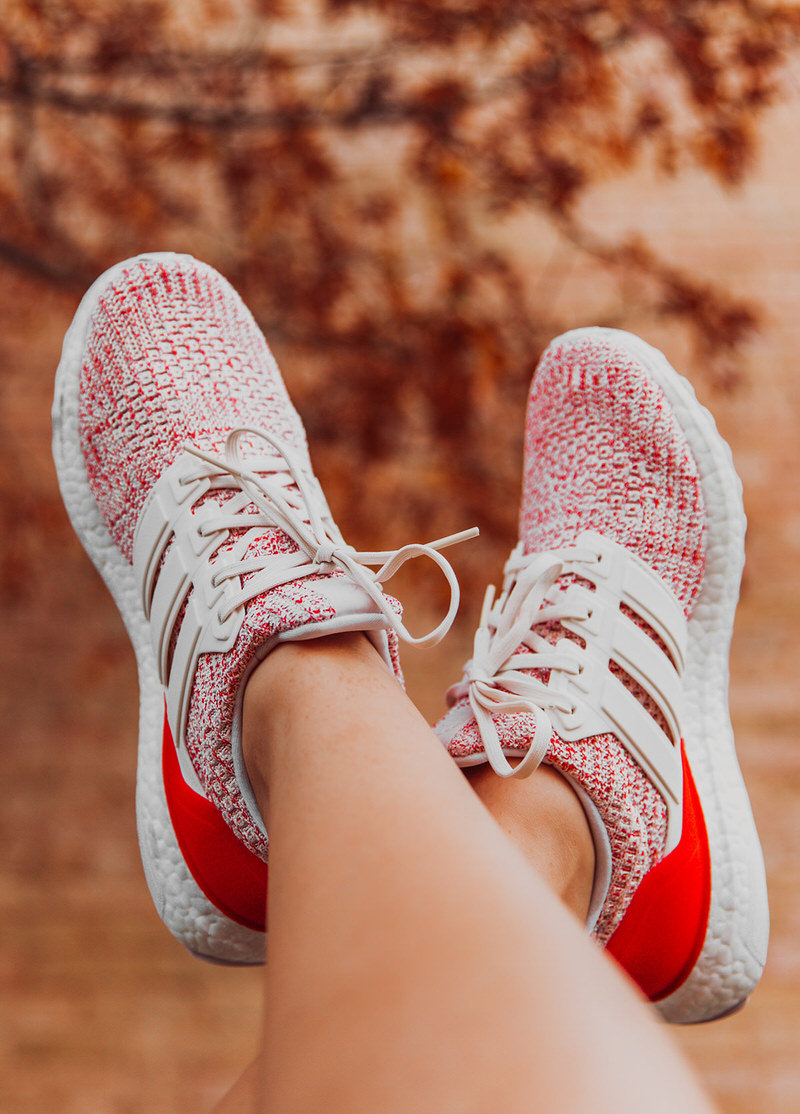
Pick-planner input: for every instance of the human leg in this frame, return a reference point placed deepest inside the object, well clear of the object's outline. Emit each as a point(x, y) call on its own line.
point(544, 818)
point(415, 961)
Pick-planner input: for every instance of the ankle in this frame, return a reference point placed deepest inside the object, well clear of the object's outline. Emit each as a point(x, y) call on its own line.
point(281, 686)
point(544, 817)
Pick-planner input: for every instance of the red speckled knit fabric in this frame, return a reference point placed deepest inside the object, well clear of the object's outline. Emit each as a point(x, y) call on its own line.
point(603, 452)
point(175, 356)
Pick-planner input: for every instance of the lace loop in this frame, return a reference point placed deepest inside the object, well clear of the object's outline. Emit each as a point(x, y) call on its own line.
point(492, 679)
point(291, 499)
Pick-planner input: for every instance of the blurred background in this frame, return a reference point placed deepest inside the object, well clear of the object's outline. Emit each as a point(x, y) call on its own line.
point(413, 199)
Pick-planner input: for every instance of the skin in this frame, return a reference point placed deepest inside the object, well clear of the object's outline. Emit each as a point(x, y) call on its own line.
point(426, 943)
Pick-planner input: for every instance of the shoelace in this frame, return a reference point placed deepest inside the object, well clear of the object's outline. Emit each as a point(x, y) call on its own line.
point(291, 498)
point(493, 680)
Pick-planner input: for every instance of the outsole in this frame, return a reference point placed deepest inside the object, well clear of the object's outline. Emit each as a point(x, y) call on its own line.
point(202, 928)
point(734, 950)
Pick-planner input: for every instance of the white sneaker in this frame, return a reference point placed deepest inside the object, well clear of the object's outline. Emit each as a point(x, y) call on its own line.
point(185, 471)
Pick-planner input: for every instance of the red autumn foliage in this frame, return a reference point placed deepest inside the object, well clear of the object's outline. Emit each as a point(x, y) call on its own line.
point(349, 165)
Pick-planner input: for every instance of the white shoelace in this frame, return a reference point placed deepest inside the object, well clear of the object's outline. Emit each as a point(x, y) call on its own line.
point(493, 680)
point(290, 498)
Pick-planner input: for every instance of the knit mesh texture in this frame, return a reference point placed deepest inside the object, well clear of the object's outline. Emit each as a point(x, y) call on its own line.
point(174, 356)
point(604, 452)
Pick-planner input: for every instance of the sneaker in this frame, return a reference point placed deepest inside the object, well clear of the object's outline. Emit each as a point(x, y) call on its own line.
point(606, 656)
point(185, 471)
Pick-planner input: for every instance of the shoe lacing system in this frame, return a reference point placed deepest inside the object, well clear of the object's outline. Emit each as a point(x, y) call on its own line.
point(289, 497)
point(506, 643)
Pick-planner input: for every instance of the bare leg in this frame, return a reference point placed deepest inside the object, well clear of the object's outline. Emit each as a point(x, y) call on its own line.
point(544, 818)
point(416, 961)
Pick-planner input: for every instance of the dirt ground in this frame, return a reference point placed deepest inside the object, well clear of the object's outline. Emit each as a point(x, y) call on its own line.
point(103, 1013)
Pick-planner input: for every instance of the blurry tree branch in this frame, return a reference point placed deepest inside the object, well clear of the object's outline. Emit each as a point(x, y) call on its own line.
point(351, 166)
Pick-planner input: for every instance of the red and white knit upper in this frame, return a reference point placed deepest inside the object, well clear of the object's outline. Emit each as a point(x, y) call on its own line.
point(603, 452)
point(174, 356)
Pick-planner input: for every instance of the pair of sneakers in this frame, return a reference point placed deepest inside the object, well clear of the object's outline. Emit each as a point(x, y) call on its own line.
point(185, 471)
